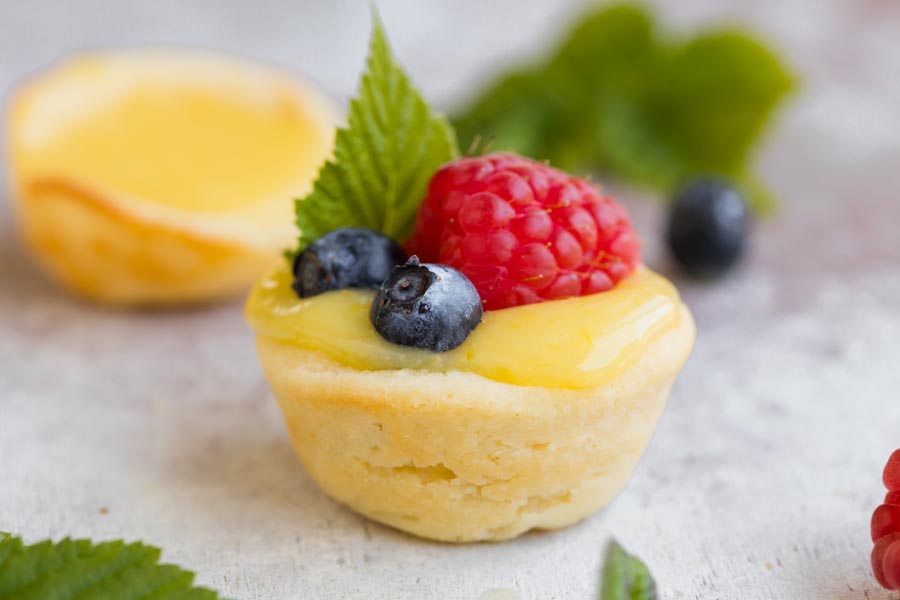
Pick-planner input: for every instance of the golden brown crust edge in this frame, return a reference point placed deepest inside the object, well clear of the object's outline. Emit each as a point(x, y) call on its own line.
point(458, 457)
point(85, 242)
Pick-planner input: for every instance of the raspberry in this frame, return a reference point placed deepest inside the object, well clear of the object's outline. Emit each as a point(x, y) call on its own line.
point(523, 232)
point(886, 529)
point(886, 561)
point(892, 472)
point(885, 521)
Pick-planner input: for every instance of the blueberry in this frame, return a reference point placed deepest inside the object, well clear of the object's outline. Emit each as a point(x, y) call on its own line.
point(708, 227)
point(345, 258)
point(428, 306)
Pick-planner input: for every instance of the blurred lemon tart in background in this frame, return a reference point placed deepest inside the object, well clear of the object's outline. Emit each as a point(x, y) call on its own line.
point(156, 177)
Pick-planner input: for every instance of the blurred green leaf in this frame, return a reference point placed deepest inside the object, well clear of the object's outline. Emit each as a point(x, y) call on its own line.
point(713, 97)
point(610, 50)
point(620, 98)
point(515, 115)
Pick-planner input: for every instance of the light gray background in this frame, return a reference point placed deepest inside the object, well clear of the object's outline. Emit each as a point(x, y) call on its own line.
point(762, 477)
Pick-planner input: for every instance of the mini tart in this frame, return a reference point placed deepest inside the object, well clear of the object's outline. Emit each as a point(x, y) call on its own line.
point(456, 456)
point(159, 177)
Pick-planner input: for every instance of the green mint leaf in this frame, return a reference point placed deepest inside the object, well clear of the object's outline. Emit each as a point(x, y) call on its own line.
point(611, 49)
point(548, 111)
point(507, 123)
point(622, 98)
point(625, 577)
point(713, 97)
point(383, 159)
point(76, 569)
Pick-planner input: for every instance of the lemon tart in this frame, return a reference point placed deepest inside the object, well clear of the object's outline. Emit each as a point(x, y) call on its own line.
point(158, 177)
point(508, 375)
point(536, 421)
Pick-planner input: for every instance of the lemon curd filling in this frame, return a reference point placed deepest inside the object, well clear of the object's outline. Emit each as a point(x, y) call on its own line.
point(574, 343)
point(205, 146)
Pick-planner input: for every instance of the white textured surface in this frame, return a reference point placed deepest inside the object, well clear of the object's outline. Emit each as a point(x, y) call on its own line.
point(764, 472)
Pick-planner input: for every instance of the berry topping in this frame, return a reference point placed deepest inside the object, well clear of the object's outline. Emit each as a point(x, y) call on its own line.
point(428, 306)
point(708, 227)
point(885, 521)
point(523, 232)
point(886, 528)
point(345, 258)
point(892, 472)
point(886, 561)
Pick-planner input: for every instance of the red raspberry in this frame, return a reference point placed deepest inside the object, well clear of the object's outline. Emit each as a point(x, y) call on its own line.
point(885, 521)
point(892, 472)
point(886, 561)
point(523, 232)
point(886, 528)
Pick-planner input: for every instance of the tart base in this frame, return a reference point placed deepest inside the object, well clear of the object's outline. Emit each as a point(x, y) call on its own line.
point(457, 457)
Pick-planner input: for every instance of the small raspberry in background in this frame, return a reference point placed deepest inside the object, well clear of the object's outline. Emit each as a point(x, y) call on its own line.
point(885, 521)
point(886, 561)
point(886, 529)
point(523, 232)
point(892, 472)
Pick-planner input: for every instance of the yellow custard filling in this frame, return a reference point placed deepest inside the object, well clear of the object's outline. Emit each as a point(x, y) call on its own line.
point(202, 136)
point(575, 343)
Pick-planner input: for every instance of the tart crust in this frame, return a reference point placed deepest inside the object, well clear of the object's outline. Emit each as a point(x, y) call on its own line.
point(458, 457)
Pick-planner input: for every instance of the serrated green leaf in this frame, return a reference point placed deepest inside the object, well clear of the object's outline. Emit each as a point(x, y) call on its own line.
point(79, 569)
point(383, 159)
point(625, 577)
point(621, 98)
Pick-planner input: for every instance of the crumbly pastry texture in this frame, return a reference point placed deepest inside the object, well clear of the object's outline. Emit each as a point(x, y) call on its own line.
point(458, 457)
